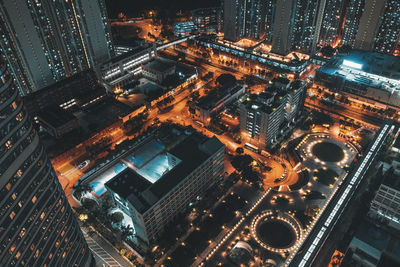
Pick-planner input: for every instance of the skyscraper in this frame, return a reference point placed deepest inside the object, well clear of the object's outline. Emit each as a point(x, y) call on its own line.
point(372, 25)
point(369, 24)
point(389, 30)
point(297, 24)
point(331, 22)
point(281, 41)
point(37, 226)
point(46, 41)
point(244, 19)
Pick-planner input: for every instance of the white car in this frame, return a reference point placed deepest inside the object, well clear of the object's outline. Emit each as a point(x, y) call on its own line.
point(83, 164)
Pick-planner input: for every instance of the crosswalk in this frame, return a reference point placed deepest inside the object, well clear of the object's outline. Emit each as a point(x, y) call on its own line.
point(106, 260)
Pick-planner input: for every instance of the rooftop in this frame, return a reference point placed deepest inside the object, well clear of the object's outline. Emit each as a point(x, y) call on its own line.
point(209, 101)
point(130, 53)
point(159, 65)
point(369, 68)
point(56, 116)
point(393, 181)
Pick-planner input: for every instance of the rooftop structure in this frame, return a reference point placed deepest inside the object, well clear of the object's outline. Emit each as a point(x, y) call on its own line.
point(57, 121)
point(158, 69)
point(163, 175)
point(369, 75)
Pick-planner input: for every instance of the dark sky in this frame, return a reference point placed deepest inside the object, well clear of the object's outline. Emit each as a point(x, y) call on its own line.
point(134, 7)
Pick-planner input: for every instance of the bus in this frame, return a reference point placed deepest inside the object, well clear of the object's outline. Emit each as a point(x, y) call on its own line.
point(251, 147)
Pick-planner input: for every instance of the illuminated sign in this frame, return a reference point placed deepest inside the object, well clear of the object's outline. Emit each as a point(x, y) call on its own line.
point(352, 64)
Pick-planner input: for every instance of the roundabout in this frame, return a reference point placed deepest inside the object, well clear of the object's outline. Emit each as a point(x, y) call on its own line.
point(276, 231)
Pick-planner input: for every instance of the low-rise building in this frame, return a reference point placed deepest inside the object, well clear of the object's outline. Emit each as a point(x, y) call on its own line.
point(186, 28)
point(80, 90)
point(265, 117)
point(119, 70)
point(164, 175)
point(216, 100)
point(157, 70)
point(367, 76)
point(57, 121)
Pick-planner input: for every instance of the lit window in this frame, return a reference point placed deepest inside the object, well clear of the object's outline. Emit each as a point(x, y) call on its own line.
point(8, 144)
point(14, 105)
point(19, 117)
point(8, 186)
point(12, 215)
point(50, 256)
point(36, 254)
point(42, 215)
point(34, 199)
point(12, 248)
point(18, 255)
point(22, 233)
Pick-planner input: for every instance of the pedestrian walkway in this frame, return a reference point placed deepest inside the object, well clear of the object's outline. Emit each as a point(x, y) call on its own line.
point(103, 258)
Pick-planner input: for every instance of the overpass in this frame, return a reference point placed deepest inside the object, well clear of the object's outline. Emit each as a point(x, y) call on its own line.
point(306, 253)
point(175, 42)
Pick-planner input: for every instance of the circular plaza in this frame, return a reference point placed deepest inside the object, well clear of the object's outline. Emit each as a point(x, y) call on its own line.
point(325, 149)
point(276, 231)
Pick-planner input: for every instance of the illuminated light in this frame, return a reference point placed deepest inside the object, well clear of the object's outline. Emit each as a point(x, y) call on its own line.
point(352, 64)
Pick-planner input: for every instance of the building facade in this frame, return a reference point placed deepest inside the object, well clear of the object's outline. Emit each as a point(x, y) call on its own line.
point(37, 226)
point(46, 41)
point(332, 21)
point(244, 19)
point(265, 117)
point(372, 25)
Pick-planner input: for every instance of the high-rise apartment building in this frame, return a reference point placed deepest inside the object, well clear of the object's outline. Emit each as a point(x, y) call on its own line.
point(244, 19)
point(389, 30)
point(297, 25)
point(282, 28)
point(372, 25)
point(37, 226)
point(331, 22)
point(46, 41)
point(265, 116)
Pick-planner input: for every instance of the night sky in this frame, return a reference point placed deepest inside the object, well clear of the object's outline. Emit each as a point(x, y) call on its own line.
point(135, 7)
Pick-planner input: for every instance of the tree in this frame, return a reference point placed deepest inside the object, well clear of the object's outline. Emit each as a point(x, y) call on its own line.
point(81, 189)
point(240, 150)
point(226, 80)
point(117, 217)
point(126, 231)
